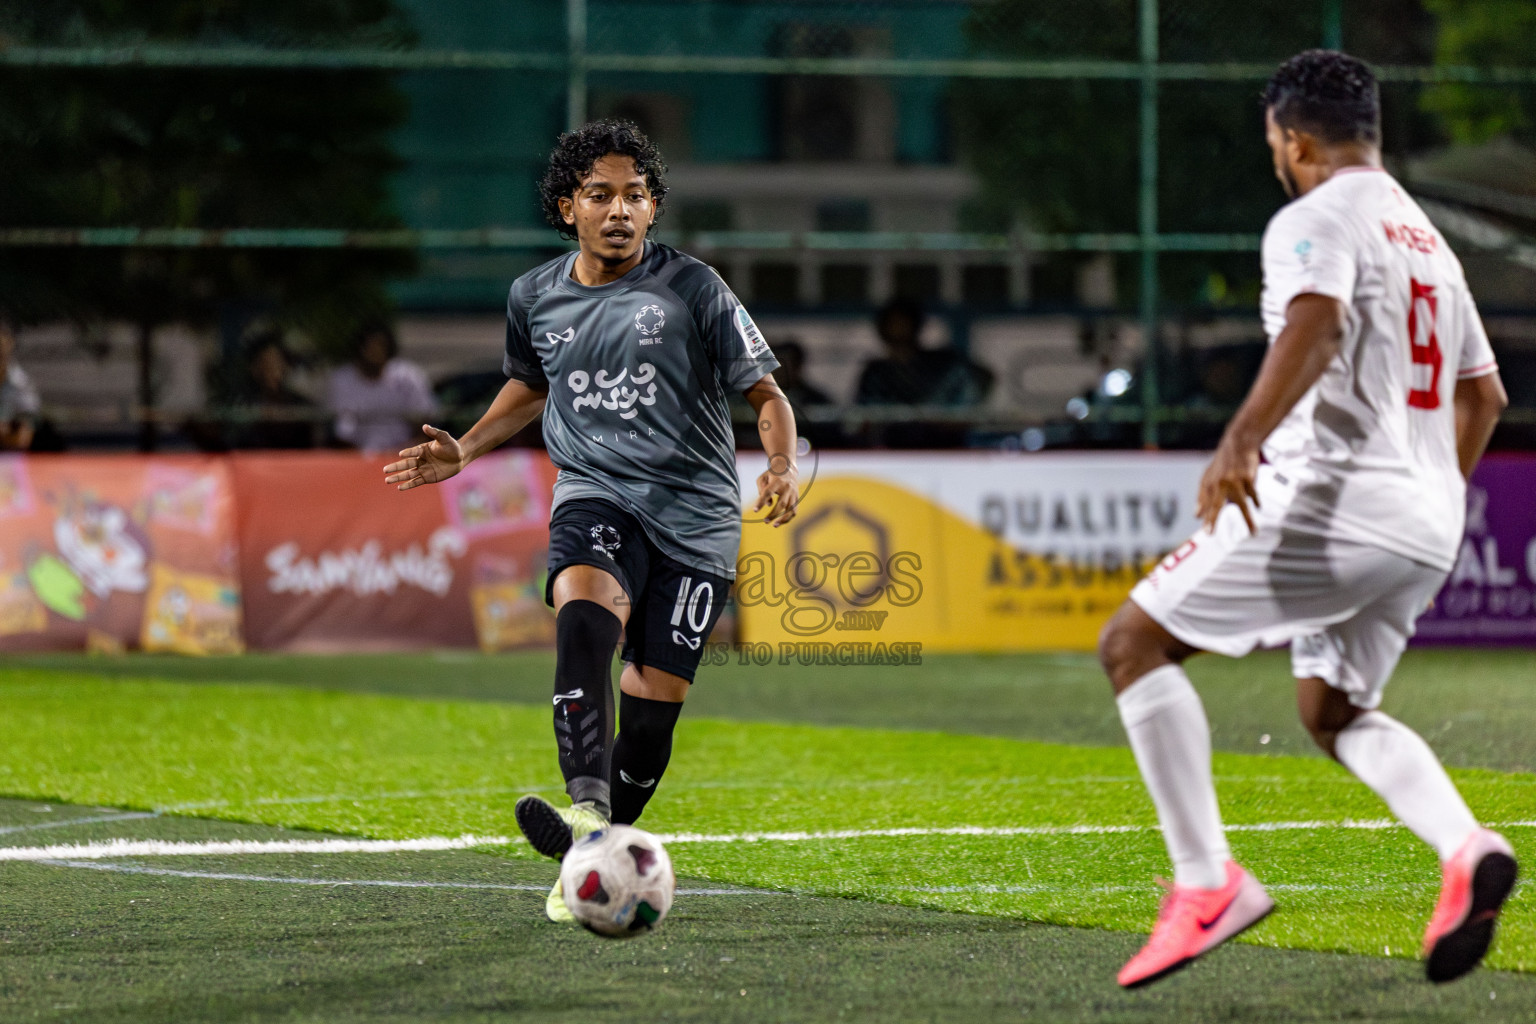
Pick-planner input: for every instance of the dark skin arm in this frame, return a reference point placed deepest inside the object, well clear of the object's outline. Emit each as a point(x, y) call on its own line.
point(1314, 329)
point(779, 486)
point(1479, 402)
point(442, 456)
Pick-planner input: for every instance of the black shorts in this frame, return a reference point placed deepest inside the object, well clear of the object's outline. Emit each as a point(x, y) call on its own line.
point(673, 607)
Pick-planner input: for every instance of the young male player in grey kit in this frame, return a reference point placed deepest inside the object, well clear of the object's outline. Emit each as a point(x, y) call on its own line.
point(629, 348)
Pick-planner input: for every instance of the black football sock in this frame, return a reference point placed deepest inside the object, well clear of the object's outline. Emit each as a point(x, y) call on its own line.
point(585, 636)
point(641, 753)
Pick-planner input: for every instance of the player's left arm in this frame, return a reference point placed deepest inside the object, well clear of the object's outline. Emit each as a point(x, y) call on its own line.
point(1479, 402)
point(779, 486)
point(1479, 398)
point(1314, 329)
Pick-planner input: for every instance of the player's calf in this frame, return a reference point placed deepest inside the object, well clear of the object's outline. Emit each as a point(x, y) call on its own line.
point(640, 753)
point(585, 636)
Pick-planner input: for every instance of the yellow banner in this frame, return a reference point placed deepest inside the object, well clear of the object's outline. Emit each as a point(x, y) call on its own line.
point(870, 563)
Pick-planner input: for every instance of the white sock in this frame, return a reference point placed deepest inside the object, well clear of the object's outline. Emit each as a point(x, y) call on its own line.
point(1398, 765)
point(1171, 739)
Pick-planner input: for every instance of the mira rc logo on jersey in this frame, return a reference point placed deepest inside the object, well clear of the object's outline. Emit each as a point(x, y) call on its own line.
point(649, 322)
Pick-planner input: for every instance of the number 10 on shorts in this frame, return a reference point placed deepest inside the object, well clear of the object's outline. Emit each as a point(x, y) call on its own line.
point(695, 603)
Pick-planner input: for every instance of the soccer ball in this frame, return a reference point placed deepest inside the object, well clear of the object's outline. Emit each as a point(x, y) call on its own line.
point(618, 881)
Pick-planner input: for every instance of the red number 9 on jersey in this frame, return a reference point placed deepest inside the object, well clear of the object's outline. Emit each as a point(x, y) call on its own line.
point(1421, 317)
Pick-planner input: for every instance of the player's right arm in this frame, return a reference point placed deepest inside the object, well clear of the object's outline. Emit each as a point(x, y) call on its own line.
point(1314, 328)
point(519, 401)
point(516, 406)
point(1309, 272)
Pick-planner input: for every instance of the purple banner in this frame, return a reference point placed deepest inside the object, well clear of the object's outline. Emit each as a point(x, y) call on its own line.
point(1490, 597)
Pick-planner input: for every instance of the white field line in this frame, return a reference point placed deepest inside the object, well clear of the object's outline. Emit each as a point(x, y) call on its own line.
point(92, 820)
point(1043, 888)
point(1019, 830)
point(113, 848)
point(386, 883)
point(1055, 782)
point(236, 847)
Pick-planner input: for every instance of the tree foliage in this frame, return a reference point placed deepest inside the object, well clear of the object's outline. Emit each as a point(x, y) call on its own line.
point(1484, 33)
point(202, 148)
point(1064, 155)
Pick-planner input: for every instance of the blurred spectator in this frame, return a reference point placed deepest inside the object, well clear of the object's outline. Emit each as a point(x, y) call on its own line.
point(379, 400)
point(804, 397)
point(790, 376)
point(269, 413)
point(913, 375)
point(19, 403)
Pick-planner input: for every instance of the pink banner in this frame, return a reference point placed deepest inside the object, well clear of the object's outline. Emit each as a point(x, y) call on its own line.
point(333, 559)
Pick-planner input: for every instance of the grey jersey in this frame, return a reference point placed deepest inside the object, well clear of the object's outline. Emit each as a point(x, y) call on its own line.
point(638, 372)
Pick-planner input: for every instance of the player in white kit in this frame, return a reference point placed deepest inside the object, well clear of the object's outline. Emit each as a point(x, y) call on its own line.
point(1333, 509)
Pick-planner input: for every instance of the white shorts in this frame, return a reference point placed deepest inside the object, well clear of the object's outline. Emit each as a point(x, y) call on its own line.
point(1346, 608)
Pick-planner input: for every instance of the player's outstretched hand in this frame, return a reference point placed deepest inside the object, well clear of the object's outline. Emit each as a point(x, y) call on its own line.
point(779, 489)
point(431, 463)
point(1229, 478)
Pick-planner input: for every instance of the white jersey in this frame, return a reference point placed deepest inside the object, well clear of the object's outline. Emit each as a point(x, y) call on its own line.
point(1371, 447)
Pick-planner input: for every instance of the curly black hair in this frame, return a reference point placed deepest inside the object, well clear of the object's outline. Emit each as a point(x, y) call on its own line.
point(1327, 93)
point(570, 162)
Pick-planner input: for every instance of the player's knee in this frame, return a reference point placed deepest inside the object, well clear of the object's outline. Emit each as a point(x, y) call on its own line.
point(1323, 736)
point(1118, 647)
point(1324, 717)
point(646, 722)
point(586, 626)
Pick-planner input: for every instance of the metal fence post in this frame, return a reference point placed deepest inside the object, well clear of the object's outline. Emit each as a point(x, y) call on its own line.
point(576, 70)
point(1151, 349)
point(1333, 24)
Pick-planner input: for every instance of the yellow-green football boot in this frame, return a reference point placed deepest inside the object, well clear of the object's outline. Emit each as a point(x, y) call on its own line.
point(552, 830)
point(554, 905)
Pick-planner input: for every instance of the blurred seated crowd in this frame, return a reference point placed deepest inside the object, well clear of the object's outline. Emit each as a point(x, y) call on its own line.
point(377, 400)
point(907, 395)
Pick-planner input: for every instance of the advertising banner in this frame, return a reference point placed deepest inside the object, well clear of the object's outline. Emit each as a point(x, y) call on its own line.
point(892, 555)
point(958, 552)
point(334, 559)
point(116, 552)
point(1490, 596)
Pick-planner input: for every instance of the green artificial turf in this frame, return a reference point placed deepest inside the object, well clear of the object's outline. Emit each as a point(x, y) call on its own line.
point(397, 767)
point(1475, 706)
point(251, 939)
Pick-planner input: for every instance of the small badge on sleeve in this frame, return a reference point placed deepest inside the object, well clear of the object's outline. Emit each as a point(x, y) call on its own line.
point(751, 337)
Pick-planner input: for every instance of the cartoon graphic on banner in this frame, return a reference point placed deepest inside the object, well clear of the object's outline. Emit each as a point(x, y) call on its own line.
point(187, 613)
point(84, 537)
point(15, 488)
point(508, 600)
point(20, 610)
point(503, 494)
